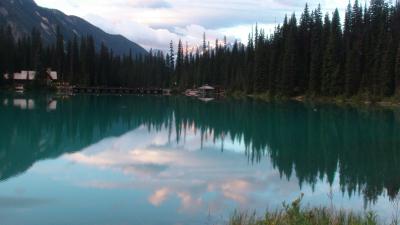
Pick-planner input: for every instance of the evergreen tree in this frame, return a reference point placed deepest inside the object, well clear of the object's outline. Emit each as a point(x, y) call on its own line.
point(204, 43)
point(387, 85)
point(179, 63)
point(261, 64)
point(171, 56)
point(304, 45)
point(74, 60)
point(332, 80)
point(289, 68)
point(397, 71)
point(60, 52)
point(316, 54)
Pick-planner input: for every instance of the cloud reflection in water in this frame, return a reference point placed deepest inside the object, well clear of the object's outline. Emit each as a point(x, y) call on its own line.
point(202, 178)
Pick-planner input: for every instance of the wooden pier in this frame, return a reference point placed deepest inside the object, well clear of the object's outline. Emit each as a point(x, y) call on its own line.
point(120, 90)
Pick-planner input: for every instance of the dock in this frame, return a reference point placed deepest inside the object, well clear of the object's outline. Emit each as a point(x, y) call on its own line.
point(120, 90)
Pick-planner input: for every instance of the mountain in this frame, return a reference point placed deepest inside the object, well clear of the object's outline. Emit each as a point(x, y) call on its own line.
point(24, 15)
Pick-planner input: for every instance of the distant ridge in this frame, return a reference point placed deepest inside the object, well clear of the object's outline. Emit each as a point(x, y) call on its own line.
point(24, 15)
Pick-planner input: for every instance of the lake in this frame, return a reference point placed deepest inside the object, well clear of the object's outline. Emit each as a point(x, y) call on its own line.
point(114, 160)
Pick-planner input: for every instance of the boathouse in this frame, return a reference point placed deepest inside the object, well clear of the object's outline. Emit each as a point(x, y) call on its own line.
point(206, 90)
point(30, 75)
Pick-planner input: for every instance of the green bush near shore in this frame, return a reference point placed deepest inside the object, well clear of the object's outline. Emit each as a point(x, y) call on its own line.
point(294, 214)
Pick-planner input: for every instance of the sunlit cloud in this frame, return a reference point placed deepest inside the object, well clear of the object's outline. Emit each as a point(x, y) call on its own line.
point(188, 173)
point(159, 196)
point(189, 203)
point(236, 190)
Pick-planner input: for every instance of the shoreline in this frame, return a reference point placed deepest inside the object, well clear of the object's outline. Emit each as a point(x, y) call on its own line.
point(388, 102)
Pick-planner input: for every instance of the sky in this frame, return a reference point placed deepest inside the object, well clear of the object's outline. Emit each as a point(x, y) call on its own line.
point(154, 23)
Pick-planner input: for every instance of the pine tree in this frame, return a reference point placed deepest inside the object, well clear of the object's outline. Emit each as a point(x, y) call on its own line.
point(347, 37)
point(377, 45)
point(91, 60)
point(179, 64)
point(332, 78)
point(326, 76)
point(75, 70)
point(60, 52)
point(316, 54)
point(36, 48)
point(304, 50)
point(261, 64)
point(289, 68)
point(388, 63)
point(103, 66)
point(397, 72)
point(204, 43)
point(171, 56)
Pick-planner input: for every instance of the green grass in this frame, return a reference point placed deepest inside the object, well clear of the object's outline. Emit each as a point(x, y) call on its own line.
point(294, 214)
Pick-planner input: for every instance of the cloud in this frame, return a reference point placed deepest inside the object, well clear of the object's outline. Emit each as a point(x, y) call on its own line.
point(153, 23)
point(152, 4)
point(187, 173)
point(159, 196)
point(236, 190)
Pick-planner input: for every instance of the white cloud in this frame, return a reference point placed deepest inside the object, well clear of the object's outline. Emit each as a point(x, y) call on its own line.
point(153, 23)
point(202, 180)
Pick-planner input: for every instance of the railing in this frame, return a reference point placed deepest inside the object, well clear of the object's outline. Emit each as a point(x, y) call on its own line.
point(120, 90)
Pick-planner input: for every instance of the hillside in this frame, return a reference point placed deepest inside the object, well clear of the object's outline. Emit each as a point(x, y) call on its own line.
point(24, 15)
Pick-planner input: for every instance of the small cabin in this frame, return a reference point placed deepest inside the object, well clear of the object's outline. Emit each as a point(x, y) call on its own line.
point(30, 75)
point(52, 75)
point(25, 75)
point(206, 90)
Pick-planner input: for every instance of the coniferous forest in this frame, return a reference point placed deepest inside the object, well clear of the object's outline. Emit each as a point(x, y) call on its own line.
point(80, 62)
point(314, 55)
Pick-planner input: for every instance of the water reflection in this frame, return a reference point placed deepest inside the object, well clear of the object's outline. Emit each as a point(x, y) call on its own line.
point(206, 155)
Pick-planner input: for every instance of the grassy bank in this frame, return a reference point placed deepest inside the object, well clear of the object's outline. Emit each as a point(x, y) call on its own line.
point(294, 214)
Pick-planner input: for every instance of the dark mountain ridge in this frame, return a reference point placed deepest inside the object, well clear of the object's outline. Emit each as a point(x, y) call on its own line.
point(24, 15)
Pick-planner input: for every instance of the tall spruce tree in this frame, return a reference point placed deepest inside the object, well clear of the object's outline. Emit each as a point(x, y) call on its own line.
point(397, 71)
point(347, 37)
point(261, 64)
point(304, 50)
point(387, 85)
point(316, 52)
point(332, 81)
point(289, 69)
point(60, 52)
point(179, 64)
point(171, 56)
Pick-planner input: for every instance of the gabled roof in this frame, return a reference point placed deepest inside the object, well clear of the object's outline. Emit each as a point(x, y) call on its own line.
point(206, 87)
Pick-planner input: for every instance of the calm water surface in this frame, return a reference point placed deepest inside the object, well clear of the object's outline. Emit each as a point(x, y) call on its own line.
point(113, 160)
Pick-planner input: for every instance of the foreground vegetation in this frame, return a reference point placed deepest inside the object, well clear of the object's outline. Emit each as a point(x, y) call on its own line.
point(294, 214)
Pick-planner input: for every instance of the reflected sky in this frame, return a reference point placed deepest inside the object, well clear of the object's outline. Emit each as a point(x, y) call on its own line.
point(169, 175)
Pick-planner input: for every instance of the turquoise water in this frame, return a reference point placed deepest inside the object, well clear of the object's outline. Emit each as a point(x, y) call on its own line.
point(113, 160)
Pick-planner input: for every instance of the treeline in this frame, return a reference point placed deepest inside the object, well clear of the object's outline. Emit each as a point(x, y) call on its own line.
point(80, 62)
point(316, 55)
